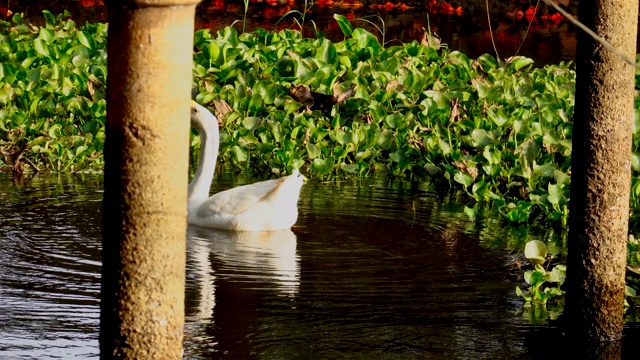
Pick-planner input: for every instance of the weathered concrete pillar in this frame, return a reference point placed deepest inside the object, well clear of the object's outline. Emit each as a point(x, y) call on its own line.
point(146, 160)
point(601, 171)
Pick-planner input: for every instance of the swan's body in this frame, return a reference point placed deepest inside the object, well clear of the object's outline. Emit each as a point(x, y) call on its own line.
point(267, 205)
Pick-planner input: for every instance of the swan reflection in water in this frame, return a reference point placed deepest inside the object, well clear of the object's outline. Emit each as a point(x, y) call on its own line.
point(237, 265)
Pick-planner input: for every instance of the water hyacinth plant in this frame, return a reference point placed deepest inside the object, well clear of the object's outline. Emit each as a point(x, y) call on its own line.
point(52, 93)
point(498, 131)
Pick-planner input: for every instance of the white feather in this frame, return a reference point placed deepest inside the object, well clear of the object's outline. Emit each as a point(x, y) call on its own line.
point(267, 205)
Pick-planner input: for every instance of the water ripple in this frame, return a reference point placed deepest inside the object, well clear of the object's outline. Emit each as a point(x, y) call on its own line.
point(50, 273)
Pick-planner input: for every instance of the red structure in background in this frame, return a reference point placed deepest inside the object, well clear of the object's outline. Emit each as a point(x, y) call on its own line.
point(461, 24)
point(520, 9)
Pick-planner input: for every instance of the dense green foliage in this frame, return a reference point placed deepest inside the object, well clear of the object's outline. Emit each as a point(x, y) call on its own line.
point(500, 131)
point(52, 89)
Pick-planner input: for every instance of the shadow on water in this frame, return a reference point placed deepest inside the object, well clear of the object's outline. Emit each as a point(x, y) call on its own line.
point(373, 269)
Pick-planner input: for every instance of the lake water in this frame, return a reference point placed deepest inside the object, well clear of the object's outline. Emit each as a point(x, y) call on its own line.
point(374, 269)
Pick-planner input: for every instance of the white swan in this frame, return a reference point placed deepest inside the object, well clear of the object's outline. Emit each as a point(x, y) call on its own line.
point(267, 205)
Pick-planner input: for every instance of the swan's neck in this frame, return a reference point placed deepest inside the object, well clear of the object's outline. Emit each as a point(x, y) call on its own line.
point(201, 183)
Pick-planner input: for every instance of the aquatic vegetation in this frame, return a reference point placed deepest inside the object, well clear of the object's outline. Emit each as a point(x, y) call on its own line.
point(544, 284)
point(548, 274)
point(52, 93)
point(500, 131)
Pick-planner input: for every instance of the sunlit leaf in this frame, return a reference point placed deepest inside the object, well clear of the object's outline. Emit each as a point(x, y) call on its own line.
point(313, 150)
point(344, 24)
point(558, 274)
point(86, 40)
point(462, 178)
point(555, 194)
point(239, 153)
point(251, 123)
point(630, 291)
point(488, 62)
point(480, 138)
point(327, 52)
point(41, 47)
point(49, 18)
point(520, 62)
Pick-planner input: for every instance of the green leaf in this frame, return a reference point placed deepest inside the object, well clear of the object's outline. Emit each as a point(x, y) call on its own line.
point(432, 169)
point(635, 159)
point(86, 40)
point(396, 156)
point(558, 274)
point(487, 62)
point(267, 92)
point(537, 277)
point(251, 123)
point(240, 154)
point(528, 277)
point(327, 52)
point(536, 252)
point(345, 61)
point(394, 120)
point(55, 131)
point(458, 58)
point(322, 166)
point(555, 194)
point(212, 52)
point(367, 40)
point(41, 47)
point(480, 138)
point(561, 178)
point(553, 291)
point(545, 170)
point(33, 75)
point(519, 62)
point(529, 151)
point(463, 178)
point(342, 137)
point(47, 35)
point(444, 147)
point(498, 116)
point(49, 18)
point(471, 212)
point(344, 24)
point(630, 291)
point(6, 94)
point(349, 168)
point(17, 18)
point(313, 150)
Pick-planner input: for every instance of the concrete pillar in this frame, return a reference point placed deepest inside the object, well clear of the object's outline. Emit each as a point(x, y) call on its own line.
point(146, 160)
point(601, 173)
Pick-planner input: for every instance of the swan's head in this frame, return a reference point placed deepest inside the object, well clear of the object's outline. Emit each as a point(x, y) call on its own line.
point(202, 118)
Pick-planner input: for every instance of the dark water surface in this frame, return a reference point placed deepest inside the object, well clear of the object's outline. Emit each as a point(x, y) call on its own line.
point(372, 270)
